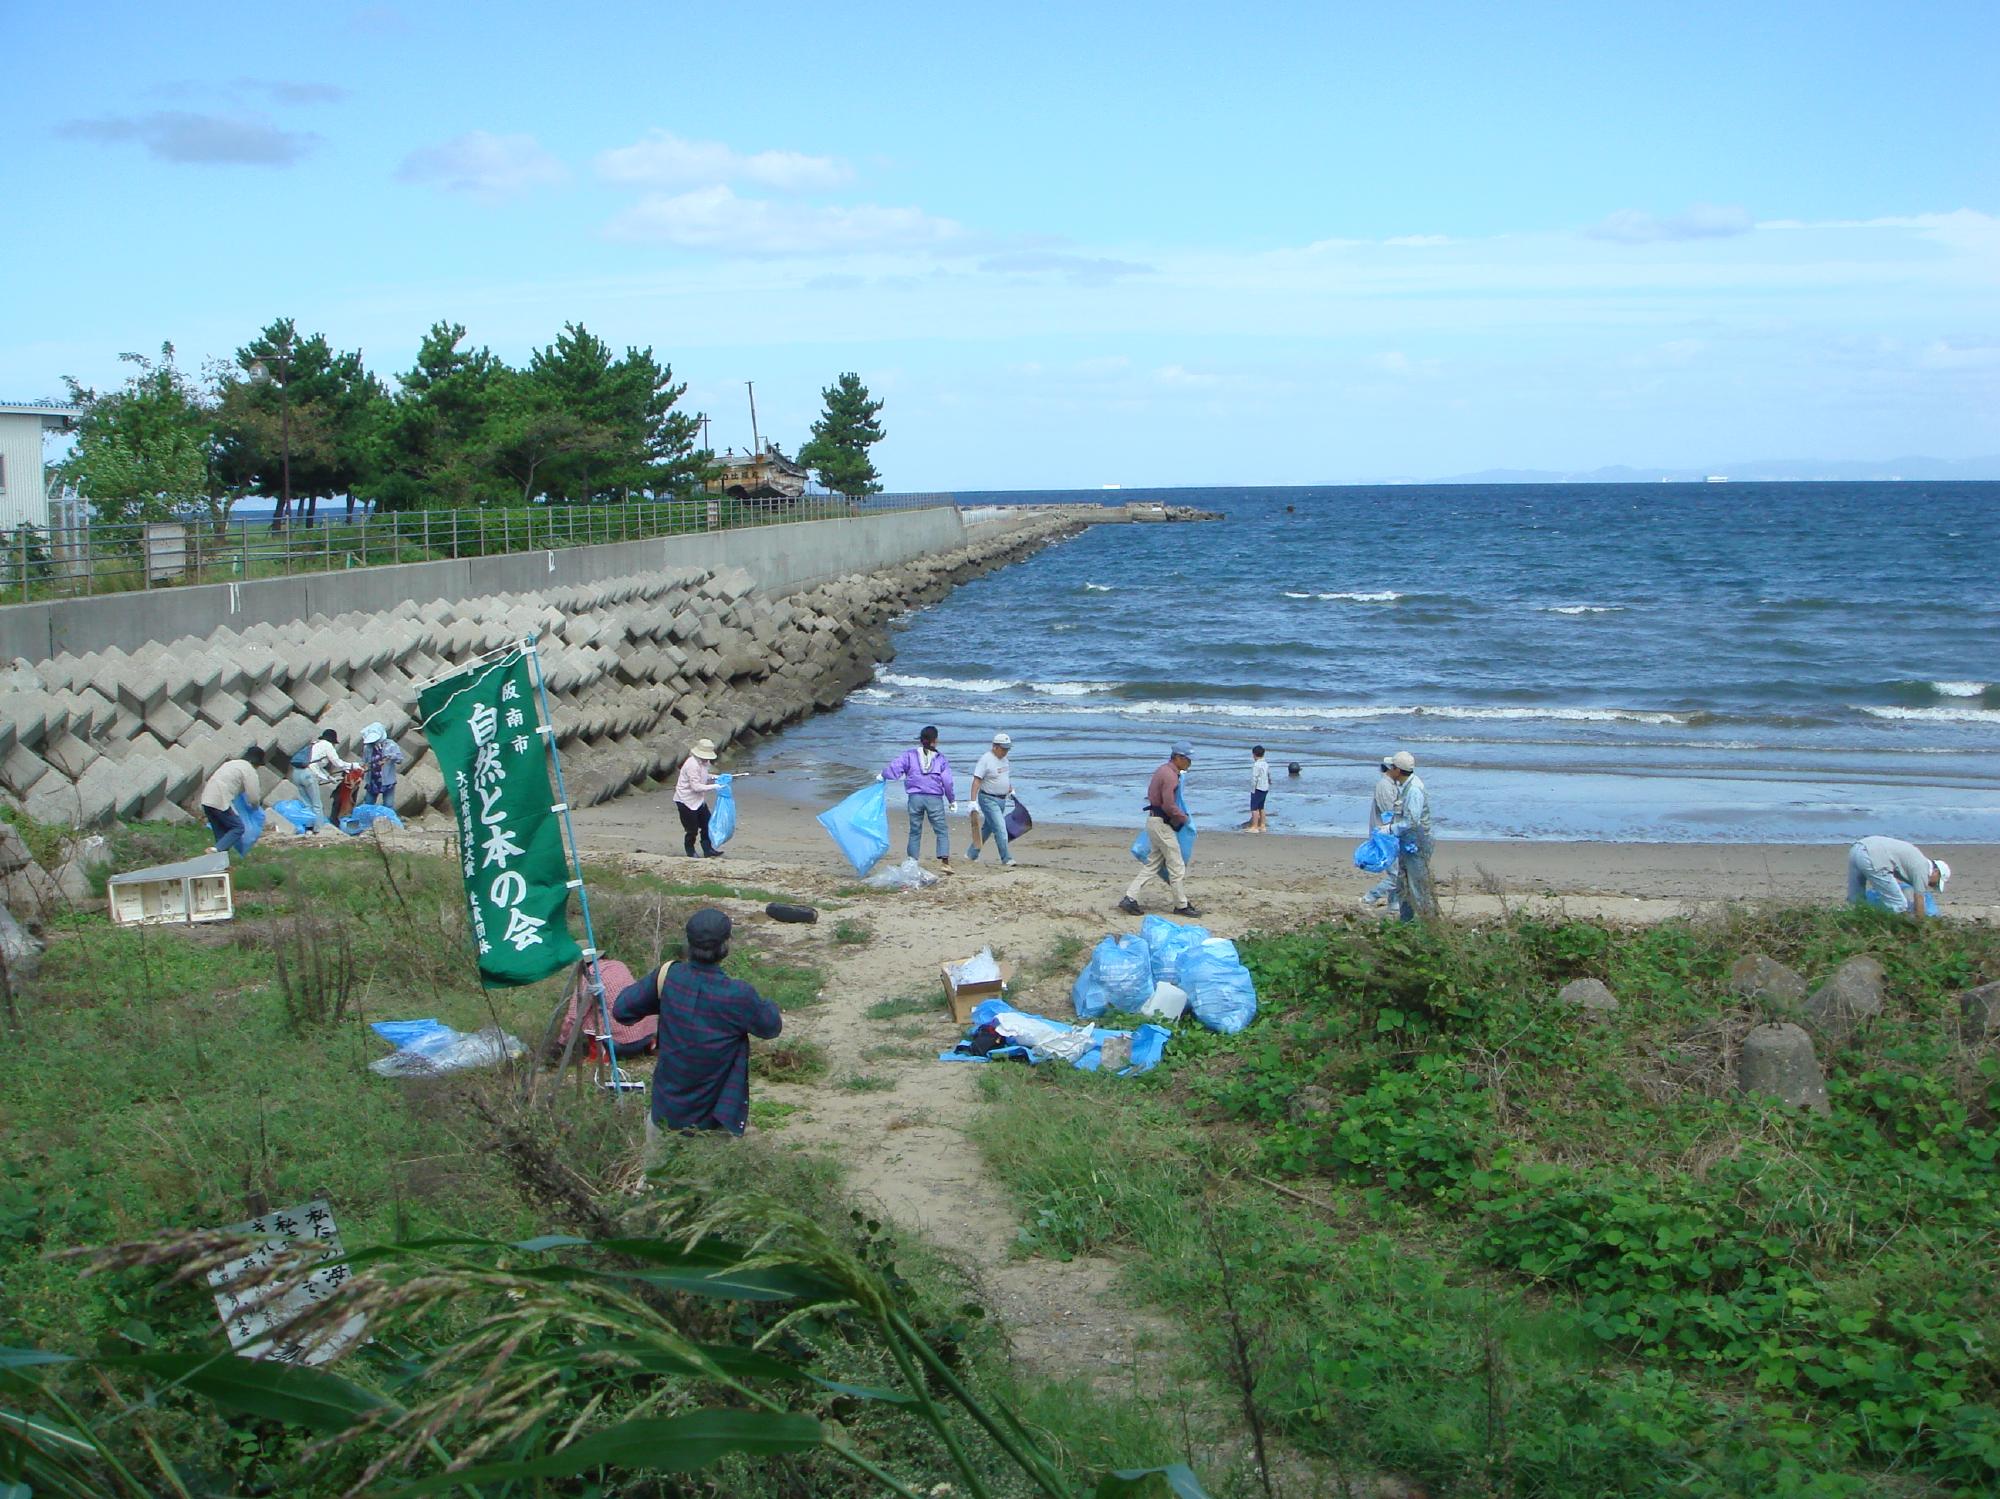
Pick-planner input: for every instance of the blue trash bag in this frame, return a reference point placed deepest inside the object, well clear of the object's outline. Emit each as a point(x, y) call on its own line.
point(302, 818)
point(1118, 976)
point(365, 816)
point(722, 821)
point(1018, 820)
point(1874, 898)
point(1167, 941)
point(253, 823)
point(1220, 991)
point(1378, 854)
point(860, 826)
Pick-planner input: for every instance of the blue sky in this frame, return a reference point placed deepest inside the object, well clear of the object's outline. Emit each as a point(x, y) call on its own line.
point(1117, 243)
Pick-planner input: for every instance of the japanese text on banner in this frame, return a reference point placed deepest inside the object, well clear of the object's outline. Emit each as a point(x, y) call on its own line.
point(484, 729)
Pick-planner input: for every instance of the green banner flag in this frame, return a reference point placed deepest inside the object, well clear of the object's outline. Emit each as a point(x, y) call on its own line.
point(484, 729)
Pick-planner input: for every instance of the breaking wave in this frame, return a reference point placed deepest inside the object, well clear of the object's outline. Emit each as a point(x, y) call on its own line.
point(1379, 596)
point(1584, 609)
point(1936, 715)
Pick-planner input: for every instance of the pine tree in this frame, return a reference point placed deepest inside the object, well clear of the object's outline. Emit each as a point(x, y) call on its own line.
point(841, 438)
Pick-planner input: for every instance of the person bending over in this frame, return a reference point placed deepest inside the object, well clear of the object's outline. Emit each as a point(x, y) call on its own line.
point(218, 798)
point(702, 1080)
point(1895, 875)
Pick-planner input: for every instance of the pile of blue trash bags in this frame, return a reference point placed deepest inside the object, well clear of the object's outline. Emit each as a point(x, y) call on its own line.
point(305, 820)
point(1004, 1033)
point(1128, 973)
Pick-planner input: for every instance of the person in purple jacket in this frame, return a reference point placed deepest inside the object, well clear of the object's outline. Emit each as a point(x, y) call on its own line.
point(926, 777)
point(702, 1080)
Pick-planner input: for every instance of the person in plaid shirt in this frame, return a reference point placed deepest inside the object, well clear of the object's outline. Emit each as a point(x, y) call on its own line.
point(702, 1080)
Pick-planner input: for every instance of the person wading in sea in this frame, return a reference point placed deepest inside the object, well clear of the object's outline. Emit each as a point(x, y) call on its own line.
point(1410, 821)
point(1164, 819)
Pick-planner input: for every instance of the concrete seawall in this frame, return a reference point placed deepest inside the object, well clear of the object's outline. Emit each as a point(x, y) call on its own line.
point(736, 635)
point(781, 558)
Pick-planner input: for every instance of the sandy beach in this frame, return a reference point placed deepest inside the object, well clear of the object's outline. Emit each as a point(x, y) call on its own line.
point(1244, 881)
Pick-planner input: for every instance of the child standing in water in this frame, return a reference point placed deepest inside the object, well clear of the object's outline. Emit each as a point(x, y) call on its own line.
point(1260, 788)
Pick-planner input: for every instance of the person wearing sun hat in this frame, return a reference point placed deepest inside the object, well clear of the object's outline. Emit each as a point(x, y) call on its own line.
point(1410, 821)
point(1895, 875)
point(992, 786)
point(380, 756)
point(691, 793)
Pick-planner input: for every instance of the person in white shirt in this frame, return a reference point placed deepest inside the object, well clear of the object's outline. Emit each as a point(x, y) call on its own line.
point(992, 788)
point(323, 768)
point(1260, 788)
point(1894, 875)
point(218, 798)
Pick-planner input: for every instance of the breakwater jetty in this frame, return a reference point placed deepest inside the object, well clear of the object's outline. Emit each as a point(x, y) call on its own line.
point(639, 664)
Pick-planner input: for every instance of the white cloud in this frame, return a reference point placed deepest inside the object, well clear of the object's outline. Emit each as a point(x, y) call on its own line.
point(714, 218)
point(1629, 226)
point(667, 162)
point(483, 165)
point(200, 139)
point(1181, 377)
point(1082, 270)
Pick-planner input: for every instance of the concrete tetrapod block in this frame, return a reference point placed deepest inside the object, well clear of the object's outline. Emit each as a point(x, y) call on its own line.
point(1847, 1001)
point(1755, 976)
point(70, 755)
point(222, 709)
point(1778, 1062)
point(169, 721)
point(268, 702)
point(22, 770)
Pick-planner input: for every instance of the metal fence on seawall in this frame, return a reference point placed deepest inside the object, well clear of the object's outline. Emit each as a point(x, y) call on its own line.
point(83, 557)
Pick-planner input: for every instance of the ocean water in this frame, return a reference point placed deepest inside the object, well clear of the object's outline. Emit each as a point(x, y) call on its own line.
point(1740, 662)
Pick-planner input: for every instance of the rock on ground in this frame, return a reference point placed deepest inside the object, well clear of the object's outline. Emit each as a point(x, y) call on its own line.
point(1778, 1062)
point(1587, 994)
point(1847, 1001)
point(1755, 976)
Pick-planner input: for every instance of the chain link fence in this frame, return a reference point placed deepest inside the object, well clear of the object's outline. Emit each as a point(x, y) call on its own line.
point(77, 557)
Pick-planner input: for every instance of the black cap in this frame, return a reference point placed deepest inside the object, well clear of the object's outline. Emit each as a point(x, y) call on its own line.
point(330, 734)
point(708, 929)
point(928, 731)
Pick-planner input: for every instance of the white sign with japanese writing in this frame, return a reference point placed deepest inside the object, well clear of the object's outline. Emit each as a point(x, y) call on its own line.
point(259, 1315)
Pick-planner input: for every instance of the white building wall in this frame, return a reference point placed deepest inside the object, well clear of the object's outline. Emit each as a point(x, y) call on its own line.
point(24, 498)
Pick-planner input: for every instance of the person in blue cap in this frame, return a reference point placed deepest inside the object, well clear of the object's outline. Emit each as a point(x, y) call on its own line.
point(1164, 819)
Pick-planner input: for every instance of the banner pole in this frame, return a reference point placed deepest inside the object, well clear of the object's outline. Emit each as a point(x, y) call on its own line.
point(618, 1085)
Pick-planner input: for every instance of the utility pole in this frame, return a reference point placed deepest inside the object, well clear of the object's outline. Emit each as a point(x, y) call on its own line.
point(756, 443)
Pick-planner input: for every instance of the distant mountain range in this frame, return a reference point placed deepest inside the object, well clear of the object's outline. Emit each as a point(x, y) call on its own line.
point(1770, 469)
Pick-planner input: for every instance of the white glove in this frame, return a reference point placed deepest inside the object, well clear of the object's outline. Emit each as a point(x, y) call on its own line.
point(952, 808)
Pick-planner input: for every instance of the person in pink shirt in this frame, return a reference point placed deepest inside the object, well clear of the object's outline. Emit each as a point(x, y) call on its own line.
point(691, 792)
